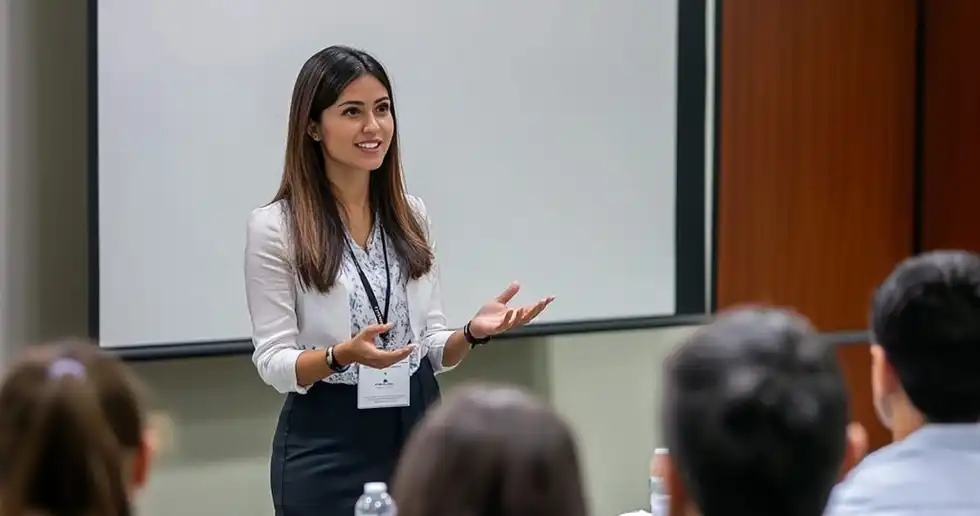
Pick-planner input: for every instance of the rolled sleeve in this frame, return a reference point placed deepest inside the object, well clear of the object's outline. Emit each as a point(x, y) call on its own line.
point(271, 295)
point(436, 331)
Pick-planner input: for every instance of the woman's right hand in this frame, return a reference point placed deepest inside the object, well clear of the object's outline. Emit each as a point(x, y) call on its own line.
point(361, 349)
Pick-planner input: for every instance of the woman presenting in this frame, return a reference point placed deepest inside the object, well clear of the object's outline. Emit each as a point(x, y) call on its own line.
point(343, 292)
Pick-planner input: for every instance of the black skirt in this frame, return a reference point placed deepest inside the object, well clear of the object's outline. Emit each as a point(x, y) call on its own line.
point(325, 449)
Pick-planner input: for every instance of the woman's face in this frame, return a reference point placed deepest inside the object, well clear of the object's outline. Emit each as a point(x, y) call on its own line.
point(356, 131)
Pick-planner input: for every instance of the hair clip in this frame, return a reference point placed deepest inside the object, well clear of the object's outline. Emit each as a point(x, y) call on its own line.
point(66, 366)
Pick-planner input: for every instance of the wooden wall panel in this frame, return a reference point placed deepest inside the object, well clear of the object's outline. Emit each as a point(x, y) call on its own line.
point(951, 125)
point(816, 153)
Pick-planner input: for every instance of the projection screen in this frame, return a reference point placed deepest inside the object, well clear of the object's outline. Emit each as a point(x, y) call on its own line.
point(555, 143)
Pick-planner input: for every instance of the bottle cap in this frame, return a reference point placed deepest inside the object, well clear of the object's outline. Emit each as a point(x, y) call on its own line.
point(375, 487)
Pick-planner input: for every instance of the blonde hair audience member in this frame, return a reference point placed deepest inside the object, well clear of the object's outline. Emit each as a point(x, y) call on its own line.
point(490, 451)
point(73, 439)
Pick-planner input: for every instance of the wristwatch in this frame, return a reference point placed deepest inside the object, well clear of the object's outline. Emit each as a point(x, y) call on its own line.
point(474, 342)
point(332, 363)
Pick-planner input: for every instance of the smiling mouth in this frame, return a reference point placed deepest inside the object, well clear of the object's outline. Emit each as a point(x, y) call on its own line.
point(372, 145)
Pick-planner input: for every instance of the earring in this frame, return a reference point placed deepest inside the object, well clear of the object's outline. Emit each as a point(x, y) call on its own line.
point(316, 137)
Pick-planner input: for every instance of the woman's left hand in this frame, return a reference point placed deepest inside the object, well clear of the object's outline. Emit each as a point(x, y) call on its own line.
point(496, 317)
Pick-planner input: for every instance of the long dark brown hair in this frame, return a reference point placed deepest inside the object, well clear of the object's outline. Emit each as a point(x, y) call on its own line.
point(315, 224)
point(70, 417)
point(490, 451)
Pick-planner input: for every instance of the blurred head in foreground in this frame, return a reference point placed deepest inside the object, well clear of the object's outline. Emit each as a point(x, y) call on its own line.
point(490, 451)
point(925, 353)
point(73, 438)
point(755, 415)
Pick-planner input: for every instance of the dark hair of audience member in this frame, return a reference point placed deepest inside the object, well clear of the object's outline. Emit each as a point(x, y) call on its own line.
point(490, 451)
point(755, 414)
point(69, 418)
point(926, 317)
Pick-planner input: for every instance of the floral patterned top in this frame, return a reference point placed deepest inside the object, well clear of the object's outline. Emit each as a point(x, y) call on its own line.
point(372, 262)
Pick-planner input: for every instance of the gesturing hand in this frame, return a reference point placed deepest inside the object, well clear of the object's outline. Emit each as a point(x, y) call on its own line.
point(496, 317)
point(361, 349)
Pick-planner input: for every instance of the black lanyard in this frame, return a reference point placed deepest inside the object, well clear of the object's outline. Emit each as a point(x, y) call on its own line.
point(382, 317)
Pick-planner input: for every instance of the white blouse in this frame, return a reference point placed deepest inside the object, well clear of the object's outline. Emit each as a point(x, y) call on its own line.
point(287, 320)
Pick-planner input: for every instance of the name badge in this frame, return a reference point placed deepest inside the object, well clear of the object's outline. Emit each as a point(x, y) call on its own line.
point(384, 388)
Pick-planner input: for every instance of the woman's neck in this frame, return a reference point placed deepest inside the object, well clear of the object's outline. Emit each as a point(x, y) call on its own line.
point(352, 189)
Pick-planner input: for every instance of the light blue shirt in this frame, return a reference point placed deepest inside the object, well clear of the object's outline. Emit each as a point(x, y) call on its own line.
point(935, 471)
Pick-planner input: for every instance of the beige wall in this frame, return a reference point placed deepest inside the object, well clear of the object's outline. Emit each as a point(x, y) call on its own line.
point(42, 170)
point(606, 384)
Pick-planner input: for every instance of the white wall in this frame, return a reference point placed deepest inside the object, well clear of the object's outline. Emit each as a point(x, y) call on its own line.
point(606, 384)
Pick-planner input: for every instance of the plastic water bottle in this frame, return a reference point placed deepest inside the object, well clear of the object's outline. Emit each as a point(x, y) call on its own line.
point(659, 498)
point(375, 501)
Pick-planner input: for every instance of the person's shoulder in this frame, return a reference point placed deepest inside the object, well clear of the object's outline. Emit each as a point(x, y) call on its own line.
point(268, 220)
point(418, 206)
point(887, 477)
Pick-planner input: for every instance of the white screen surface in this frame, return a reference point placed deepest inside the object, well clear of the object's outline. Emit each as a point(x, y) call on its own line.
point(539, 133)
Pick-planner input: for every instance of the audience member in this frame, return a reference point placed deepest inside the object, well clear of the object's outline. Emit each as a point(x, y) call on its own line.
point(925, 326)
point(755, 416)
point(72, 440)
point(490, 451)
